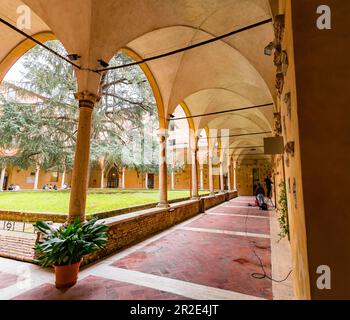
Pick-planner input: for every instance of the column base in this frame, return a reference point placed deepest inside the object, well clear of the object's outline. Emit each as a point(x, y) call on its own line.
point(163, 205)
point(195, 198)
point(73, 218)
point(212, 194)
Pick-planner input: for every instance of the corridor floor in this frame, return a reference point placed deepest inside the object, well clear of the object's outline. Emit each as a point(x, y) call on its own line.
point(212, 256)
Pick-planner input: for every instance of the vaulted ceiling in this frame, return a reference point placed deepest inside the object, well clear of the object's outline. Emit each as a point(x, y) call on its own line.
point(227, 74)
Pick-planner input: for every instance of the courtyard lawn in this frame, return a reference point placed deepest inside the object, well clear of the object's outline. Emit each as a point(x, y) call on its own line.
point(97, 200)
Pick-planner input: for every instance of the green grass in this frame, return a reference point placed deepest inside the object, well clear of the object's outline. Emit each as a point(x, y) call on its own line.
point(97, 200)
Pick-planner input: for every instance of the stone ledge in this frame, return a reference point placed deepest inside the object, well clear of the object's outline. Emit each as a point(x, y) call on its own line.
point(27, 216)
point(131, 228)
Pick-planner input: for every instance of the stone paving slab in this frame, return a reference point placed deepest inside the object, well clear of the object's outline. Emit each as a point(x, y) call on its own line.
point(97, 288)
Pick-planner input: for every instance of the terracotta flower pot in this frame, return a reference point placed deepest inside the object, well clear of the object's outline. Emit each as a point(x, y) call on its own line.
point(67, 276)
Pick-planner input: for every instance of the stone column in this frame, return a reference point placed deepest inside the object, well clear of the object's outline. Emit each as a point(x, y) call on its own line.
point(234, 175)
point(229, 174)
point(221, 177)
point(146, 181)
point(101, 162)
point(63, 177)
point(37, 172)
point(2, 179)
point(194, 155)
point(172, 179)
point(201, 177)
point(79, 188)
point(163, 172)
point(211, 177)
point(123, 178)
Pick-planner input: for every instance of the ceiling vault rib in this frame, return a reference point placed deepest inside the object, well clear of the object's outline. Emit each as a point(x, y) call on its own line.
point(193, 46)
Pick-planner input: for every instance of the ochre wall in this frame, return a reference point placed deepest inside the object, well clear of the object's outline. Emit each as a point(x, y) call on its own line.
point(317, 175)
point(245, 175)
point(18, 176)
point(133, 180)
point(322, 68)
point(288, 167)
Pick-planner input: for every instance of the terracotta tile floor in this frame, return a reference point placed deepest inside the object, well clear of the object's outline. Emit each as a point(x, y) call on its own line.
point(232, 223)
point(7, 279)
point(241, 211)
point(215, 260)
point(98, 288)
point(177, 264)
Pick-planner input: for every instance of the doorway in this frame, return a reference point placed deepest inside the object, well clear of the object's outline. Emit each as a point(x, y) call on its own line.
point(150, 181)
point(225, 182)
point(113, 178)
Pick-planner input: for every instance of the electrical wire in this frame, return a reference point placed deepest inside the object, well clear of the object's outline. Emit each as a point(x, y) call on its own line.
point(38, 43)
point(224, 111)
point(156, 57)
point(263, 275)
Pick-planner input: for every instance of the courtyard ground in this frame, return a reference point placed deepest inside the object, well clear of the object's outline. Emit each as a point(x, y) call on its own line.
point(211, 256)
point(97, 200)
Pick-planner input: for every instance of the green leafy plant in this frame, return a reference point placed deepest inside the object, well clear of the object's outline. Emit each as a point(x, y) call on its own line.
point(70, 243)
point(283, 211)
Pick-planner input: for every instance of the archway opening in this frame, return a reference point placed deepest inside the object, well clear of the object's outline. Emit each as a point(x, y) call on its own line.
point(113, 178)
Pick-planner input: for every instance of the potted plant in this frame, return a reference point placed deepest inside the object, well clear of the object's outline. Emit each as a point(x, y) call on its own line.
point(64, 248)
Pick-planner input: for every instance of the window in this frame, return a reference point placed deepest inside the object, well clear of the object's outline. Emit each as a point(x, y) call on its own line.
point(172, 142)
point(172, 126)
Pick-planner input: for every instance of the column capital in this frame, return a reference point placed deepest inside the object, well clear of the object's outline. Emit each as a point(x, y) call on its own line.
point(87, 99)
point(162, 133)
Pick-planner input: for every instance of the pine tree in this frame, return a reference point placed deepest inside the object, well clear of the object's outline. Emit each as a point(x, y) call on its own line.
point(44, 131)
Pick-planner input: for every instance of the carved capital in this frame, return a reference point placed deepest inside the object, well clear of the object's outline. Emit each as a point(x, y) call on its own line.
point(290, 148)
point(288, 101)
point(279, 26)
point(277, 124)
point(279, 83)
point(87, 99)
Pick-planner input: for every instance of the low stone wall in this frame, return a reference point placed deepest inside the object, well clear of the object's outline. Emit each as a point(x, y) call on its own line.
point(26, 216)
point(212, 201)
point(132, 228)
point(232, 195)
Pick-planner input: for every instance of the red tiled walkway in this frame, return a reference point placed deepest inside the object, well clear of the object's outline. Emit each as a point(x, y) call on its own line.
point(208, 257)
point(98, 288)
